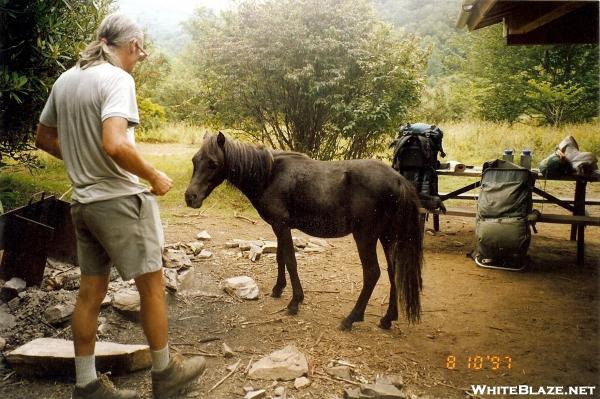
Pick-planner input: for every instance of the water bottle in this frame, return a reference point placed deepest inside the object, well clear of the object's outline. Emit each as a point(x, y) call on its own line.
point(525, 161)
point(508, 155)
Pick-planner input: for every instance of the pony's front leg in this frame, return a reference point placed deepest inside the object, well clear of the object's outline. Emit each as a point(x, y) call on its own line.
point(287, 257)
point(280, 284)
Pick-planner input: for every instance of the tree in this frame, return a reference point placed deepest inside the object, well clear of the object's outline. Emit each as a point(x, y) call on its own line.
point(326, 78)
point(38, 41)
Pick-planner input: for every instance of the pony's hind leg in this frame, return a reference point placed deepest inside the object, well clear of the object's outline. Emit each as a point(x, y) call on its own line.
point(367, 250)
point(287, 257)
point(392, 310)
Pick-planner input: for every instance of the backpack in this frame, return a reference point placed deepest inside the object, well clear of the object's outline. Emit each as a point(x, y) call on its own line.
point(504, 216)
point(415, 157)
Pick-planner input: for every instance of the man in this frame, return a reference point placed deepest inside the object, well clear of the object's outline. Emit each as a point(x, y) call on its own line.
point(88, 122)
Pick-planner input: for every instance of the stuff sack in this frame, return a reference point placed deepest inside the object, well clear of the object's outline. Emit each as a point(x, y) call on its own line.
point(504, 216)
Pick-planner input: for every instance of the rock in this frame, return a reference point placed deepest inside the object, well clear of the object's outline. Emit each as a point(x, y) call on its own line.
point(14, 303)
point(247, 389)
point(381, 391)
point(352, 393)
point(12, 288)
point(390, 379)
point(261, 393)
point(227, 351)
point(313, 248)
point(280, 392)
point(232, 244)
point(58, 313)
point(204, 254)
point(170, 278)
point(127, 301)
point(339, 371)
point(269, 247)
point(176, 259)
point(244, 245)
point(241, 286)
point(319, 241)
point(299, 242)
point(185, 279)
point(255, 253)
point(7, 320)
point(301, 382)
point(203, 235)
point(2, 343)
point(195, 246)
point(49, 356)
point(285, 364)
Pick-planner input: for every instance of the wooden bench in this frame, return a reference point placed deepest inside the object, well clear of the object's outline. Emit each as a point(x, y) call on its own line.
point(536, 199)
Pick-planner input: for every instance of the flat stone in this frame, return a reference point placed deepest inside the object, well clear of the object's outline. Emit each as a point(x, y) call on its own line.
point(269, 247)
point(314, 248)
point(301, 382)
point(43, 357)
point(381, 391)
point(12, 288)
point(261, 393)
point(170, 278)
point(203, 235)
point(339, 371)
point(59, 313)
point(285, 364)
point(248, 388)
point(255, 253)
point(204, 254)
point(242, 286)
point(280, 391)
point(185, 279)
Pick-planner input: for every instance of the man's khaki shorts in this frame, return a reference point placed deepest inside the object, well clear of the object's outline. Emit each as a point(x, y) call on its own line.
point(125, 232)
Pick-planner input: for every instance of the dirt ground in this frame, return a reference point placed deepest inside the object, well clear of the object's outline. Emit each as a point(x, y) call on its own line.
point(545, 319)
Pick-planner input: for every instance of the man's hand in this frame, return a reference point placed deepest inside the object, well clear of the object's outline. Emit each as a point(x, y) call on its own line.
point(161, 183)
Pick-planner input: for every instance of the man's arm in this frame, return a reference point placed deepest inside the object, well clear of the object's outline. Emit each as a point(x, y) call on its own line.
point(46, 139)
point(124, 153)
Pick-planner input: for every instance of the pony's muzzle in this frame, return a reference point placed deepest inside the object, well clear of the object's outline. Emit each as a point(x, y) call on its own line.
point(192, 200)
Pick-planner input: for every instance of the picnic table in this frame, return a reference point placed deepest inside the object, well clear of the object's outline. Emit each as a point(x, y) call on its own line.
point(577, 217)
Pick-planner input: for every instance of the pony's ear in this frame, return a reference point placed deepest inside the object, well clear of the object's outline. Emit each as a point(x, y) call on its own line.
point(206, 135)
point(221, 140)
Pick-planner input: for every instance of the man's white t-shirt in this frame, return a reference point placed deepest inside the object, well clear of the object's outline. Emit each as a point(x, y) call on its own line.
point(80, 100)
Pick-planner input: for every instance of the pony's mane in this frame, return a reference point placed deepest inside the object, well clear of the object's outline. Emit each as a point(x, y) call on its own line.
point(248, 166)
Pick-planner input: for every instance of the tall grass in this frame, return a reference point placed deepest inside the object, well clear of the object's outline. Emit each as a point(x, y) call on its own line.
point(174, 132)
point(475, 142)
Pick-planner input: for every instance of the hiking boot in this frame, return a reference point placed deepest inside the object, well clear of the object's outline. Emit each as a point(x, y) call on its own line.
point(179, 375)
point(102, 388)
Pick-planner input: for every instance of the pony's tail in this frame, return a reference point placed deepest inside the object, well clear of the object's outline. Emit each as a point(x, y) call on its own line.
point(407, 252)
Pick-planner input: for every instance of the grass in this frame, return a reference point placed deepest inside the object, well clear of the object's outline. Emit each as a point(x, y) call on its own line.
point(171, 148)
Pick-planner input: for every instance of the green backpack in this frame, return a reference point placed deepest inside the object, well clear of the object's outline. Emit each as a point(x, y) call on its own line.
point(504, 216)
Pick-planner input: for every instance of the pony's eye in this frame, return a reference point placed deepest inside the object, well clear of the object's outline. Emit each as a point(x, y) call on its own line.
point(211, 164)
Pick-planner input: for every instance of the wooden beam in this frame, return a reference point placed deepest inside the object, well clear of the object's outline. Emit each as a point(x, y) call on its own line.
point(479, 13)
point(518, 25)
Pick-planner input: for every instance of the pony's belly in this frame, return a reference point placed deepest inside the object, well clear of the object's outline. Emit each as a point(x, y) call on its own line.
point(322, 227)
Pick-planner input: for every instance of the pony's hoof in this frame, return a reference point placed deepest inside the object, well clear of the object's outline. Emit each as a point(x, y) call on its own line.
point(385, 324)
point(276, 293)
point(345, 325)
point(292, 310)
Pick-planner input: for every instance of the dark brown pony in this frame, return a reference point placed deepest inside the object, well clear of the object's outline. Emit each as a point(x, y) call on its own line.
point(324, 199)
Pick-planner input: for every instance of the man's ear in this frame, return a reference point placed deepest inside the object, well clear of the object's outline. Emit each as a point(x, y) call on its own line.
point(221, 140)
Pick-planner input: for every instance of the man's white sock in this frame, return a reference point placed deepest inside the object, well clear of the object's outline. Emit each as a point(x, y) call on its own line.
point(85, 370)
point(160, 359)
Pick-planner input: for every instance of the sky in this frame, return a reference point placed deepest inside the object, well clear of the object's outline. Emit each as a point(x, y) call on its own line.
point(162, 18)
